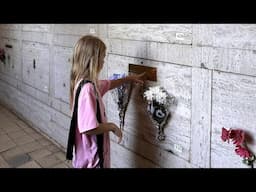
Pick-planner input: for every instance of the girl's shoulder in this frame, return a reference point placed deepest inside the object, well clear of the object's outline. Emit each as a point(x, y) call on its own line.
point(87, 87)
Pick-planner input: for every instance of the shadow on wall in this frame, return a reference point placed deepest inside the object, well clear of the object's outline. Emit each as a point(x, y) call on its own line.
point(143, 129)
point(146, 141)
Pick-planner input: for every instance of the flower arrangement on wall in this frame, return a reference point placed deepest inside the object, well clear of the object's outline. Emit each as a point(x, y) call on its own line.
point(158, 102)
point(2, 55)
point(238, 138)
point(121, 96)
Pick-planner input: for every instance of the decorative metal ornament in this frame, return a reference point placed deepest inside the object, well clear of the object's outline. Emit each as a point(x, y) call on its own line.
point(158, 102)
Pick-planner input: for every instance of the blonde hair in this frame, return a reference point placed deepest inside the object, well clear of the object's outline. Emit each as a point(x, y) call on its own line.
point(87, 61)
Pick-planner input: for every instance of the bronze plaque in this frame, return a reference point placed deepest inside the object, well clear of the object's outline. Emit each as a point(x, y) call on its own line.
point(138, 69)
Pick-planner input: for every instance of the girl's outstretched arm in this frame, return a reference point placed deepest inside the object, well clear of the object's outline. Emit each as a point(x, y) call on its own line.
point(130, 78)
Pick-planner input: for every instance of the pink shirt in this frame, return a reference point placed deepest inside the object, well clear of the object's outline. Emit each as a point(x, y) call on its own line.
point(86, 146)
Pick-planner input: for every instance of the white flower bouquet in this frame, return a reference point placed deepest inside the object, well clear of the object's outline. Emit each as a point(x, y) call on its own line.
point(158, 102)
point(121, 96)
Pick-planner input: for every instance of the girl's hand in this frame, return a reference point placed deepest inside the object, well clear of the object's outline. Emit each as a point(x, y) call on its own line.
point(117, 131)
point(137, 78)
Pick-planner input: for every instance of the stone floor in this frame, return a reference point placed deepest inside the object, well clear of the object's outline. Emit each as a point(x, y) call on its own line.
point(21, 146)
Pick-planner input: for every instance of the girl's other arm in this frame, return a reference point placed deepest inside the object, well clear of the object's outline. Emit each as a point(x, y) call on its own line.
point(106, 127)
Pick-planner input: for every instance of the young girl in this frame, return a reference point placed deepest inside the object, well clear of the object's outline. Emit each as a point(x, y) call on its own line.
point(87, 62)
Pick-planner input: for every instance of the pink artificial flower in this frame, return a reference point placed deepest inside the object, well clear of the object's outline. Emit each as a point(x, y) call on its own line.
point(243, 152)
point(237, 136)
point(225, 134)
